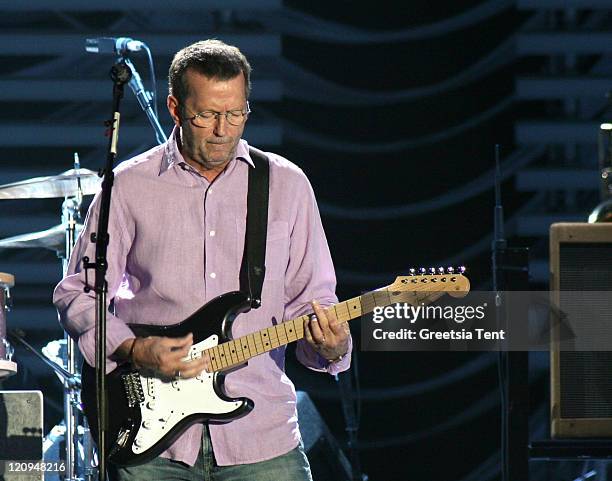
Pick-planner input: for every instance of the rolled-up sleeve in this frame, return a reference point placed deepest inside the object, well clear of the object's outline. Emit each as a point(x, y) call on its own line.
point(76, 308)
point(310, 275)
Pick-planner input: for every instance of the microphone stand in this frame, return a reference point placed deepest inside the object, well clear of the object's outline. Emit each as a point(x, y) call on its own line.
point(352, 426)
point(351, 420)
point(498, 247)
point(511, 272)
point(144, 99)
point(120, 74)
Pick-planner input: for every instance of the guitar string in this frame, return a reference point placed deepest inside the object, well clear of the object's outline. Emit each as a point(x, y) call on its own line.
point(238, 356)
point(222, 363)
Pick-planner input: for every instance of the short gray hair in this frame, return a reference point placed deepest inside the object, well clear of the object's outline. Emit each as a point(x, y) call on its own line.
point(212, 58)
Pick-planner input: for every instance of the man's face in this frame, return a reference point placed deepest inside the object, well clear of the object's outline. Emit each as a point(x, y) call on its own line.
point(211, 148)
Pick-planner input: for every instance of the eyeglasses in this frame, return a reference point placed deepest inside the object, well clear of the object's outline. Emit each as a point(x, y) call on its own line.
point(208, 118)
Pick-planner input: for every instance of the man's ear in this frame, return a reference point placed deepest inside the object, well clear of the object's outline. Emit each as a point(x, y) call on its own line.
point(173, 108)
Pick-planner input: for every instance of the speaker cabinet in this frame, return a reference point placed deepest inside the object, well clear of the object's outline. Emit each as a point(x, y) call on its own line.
point(21, 432)
point(581, 380)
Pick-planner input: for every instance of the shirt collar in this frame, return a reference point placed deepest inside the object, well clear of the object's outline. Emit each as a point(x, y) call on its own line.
point(173, 158)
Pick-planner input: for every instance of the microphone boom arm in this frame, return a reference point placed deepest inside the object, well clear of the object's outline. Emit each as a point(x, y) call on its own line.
point(144, 99)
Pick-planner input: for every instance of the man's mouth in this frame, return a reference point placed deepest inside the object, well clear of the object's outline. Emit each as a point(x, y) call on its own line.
point(218, 142)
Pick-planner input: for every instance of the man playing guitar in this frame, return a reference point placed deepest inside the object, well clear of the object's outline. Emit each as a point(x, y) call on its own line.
point(177, 236)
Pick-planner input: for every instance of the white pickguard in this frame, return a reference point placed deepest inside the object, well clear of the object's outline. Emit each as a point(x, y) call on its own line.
point(166, 403)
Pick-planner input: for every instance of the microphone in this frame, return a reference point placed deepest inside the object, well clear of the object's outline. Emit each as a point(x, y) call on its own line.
point(119, 46)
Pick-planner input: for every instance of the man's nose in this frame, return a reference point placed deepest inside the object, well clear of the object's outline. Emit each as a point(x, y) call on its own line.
point(220, 124)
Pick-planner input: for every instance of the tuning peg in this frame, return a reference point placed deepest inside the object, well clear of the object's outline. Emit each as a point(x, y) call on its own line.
point(412, 271)
point(440, 270)
point(422, 271)
point(432, 271)
point(450, 270)
point(462, 270)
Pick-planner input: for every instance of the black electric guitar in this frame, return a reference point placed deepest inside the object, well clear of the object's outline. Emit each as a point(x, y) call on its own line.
point(149, 413)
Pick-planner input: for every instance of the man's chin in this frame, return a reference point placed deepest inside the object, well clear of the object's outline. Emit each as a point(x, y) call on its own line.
point(218, 158)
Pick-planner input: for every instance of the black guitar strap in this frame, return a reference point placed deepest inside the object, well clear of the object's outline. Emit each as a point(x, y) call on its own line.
point(253, 268)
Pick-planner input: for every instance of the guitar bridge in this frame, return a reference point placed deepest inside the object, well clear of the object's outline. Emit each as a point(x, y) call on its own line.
point(133, 389)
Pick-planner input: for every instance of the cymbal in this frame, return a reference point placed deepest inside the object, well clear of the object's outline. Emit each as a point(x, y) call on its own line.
point(62, 185)
point(53, 239)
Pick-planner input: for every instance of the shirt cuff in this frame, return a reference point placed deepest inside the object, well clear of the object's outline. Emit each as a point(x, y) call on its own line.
point(336, 367)
point(313, 360)
point(116, 333)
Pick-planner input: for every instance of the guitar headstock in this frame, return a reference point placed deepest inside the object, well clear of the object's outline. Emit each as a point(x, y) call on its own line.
point(449, 280)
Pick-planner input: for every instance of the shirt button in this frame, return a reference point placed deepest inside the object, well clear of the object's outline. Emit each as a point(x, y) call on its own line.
point(213, 275)
point(210, 191)
point(212, 233)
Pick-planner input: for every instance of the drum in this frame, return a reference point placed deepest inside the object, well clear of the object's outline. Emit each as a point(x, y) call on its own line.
point(7, 366)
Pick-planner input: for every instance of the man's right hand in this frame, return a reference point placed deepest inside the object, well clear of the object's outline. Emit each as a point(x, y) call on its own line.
point(163, 355)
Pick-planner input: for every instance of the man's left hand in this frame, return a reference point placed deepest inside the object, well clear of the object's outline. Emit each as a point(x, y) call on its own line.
point(328, 336)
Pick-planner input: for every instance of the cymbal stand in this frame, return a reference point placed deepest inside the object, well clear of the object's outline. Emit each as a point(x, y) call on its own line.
point(71, 213)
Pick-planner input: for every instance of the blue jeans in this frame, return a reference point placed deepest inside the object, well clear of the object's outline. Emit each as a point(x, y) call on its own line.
point(292, 466)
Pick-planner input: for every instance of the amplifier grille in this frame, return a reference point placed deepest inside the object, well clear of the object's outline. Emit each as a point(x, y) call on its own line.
point(586, 377)
point(586, 384)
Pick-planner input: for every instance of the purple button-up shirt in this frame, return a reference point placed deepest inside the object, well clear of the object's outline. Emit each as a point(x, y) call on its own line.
point(176, 242)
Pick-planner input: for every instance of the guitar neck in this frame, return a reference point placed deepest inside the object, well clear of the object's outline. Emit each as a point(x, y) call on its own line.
point(238, 351)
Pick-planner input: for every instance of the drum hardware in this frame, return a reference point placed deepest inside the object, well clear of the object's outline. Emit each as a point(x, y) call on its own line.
point(71, 213)
point(72, 185)
point(7, 366)
point(51, 449)
point(74, 380)
point(82, 458)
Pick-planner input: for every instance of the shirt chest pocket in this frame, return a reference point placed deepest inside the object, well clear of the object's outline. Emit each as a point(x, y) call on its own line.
point(277, 247)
